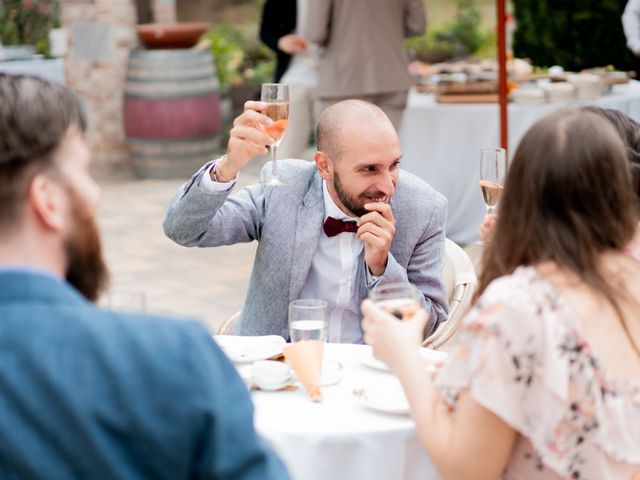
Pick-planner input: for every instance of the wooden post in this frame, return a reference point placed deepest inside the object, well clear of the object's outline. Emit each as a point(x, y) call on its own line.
point(501, 20)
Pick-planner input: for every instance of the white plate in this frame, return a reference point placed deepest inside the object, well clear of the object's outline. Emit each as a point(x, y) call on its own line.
point(430, 356)
point(242, 349)
point(391, 400)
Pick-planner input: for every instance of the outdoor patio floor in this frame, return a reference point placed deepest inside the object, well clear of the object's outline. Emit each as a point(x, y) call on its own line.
point(208, 284)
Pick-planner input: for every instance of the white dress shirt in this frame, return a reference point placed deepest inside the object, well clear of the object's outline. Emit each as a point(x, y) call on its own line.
point(332, 276)
point(332, 273)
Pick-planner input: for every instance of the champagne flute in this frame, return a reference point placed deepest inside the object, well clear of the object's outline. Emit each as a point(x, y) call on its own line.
point(493, 166)
point(276, 96)
point(402, 300)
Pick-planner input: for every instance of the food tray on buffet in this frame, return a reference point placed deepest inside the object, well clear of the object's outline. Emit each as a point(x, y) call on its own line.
point(476, 81)
point(468, 98)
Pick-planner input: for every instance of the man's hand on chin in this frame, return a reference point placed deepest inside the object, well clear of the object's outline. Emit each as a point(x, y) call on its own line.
point(377, 230)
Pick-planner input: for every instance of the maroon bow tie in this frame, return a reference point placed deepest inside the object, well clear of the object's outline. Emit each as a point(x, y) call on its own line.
point(333, 227)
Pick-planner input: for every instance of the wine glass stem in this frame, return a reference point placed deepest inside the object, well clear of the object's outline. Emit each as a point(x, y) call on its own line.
point(491, 210)
point(274, 151)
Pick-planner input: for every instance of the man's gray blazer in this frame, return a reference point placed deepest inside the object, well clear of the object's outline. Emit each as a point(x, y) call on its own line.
point(287, 222)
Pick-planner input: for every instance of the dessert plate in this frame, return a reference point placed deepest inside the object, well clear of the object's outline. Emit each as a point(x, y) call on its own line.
point(385, 400)
point(430, 356)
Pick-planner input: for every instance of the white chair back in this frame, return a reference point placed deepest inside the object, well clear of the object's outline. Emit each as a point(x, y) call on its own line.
point(229, 324)
point(460, 280)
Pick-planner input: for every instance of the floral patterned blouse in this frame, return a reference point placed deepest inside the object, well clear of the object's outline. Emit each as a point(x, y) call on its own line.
point(521, 354)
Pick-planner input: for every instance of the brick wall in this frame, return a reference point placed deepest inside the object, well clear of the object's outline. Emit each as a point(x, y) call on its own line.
point(101, 34)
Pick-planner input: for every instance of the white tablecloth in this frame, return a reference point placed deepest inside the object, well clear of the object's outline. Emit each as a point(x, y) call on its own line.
point(340, 439)
point(441, 143)
point(52, 70)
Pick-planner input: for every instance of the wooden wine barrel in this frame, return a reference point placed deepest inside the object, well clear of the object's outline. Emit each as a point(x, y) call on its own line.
point(172, 115)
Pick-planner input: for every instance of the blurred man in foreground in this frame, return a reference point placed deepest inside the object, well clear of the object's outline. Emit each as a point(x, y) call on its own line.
point(87, 393)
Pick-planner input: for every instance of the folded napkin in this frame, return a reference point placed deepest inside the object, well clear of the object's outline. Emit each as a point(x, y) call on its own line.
point(305, 357)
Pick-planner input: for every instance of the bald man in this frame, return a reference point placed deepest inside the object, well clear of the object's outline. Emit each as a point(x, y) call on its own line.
point(337, 228)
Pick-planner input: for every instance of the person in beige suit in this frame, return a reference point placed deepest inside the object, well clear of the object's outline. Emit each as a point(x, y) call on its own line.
point(365, 56)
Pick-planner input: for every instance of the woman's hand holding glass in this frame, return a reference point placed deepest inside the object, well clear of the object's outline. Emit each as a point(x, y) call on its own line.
point(487, 229)
point(393, 341)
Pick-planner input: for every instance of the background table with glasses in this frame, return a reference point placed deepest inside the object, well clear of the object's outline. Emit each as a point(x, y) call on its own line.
point(340, 438)
point(441, 143)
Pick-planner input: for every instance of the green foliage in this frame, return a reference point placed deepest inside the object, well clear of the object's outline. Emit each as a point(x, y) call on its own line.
point(457, 38)
point(239, 60)
point(28, 22)
point(434, 46)
point(573, 34)
point(466, 26)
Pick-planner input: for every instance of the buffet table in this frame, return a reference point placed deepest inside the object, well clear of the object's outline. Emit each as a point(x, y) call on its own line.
point(343, 438)
point(441, 143)
point(52, 70)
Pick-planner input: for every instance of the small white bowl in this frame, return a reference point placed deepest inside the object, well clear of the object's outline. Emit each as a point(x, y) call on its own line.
point(588, 86)
point(560, 91)
point(269, 385)
point(528, 96)
point(270, 375)
point(271, 370)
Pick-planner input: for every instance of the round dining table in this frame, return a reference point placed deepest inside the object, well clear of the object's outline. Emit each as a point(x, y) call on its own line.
point(343, 437)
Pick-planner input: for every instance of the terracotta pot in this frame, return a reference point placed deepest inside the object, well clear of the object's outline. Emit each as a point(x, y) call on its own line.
point(171, 35)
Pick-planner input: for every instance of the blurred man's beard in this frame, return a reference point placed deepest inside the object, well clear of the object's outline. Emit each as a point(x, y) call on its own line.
point(355, 204)
point(86, 269)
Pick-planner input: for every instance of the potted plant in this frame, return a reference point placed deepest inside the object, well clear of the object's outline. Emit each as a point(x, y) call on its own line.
point(242, 64)
point(27, 23)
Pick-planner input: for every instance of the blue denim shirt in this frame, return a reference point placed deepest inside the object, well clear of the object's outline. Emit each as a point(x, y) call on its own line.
point(91, 394)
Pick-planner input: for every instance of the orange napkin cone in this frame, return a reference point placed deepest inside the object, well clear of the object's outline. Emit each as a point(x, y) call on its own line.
point(305, 357)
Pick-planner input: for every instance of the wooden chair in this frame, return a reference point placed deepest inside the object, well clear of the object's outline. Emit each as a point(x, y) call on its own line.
point(460, 281)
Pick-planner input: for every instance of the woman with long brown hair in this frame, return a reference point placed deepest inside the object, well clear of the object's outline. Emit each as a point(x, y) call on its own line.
point(544, 380)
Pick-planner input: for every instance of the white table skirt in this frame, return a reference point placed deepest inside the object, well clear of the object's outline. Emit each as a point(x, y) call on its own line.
point(441, 143)
point(52, 70)
point(340, 439)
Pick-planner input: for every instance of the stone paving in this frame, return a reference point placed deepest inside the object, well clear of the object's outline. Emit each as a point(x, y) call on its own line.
point(208, 284)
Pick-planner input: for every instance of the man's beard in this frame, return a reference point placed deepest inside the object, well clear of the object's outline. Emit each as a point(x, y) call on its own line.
point(355, 204)
point(86, 269)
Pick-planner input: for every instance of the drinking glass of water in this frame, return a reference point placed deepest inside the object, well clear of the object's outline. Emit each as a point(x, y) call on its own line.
point(308, 320)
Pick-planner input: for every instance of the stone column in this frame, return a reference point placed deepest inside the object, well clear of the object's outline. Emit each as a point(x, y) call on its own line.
point(101, 33)
point(164, 11)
